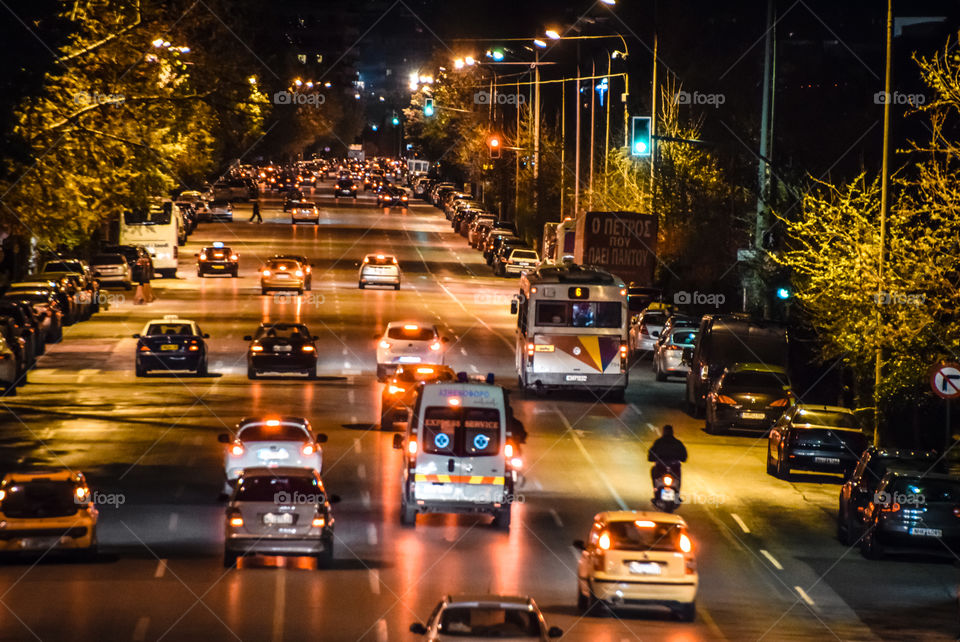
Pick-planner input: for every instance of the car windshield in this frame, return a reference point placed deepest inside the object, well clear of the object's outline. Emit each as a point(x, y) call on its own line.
point(411, 333)
point(223, 251)
point(283, 331)
point(39, 499)
point(108, 259)
point(380, 260)
point(426, 373)
point(264, 432)
point(169, 329)
point(643, 535)
point(825, 418)
point(488, 622)
point(272, 488)
point(931, 490)
point(62, 266)
point(524, 255)
point(683, 337)
point(754, 380)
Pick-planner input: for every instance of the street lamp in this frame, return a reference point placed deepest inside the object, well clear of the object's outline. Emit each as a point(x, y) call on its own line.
point(539, 43)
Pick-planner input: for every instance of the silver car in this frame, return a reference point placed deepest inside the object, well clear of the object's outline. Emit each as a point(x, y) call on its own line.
point(668, 355)
point(645, 330)
point(379, 269)
point(479, 617)
point(112, 269)
point(271, 443)
point(279, 511)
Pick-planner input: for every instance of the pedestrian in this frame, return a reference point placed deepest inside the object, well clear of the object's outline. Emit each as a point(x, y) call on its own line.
point(256, 212)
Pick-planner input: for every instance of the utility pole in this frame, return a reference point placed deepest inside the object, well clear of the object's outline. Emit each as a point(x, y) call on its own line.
point(653, 107)
point(536, 127)
point(593, 128)
point(576, 162)
point(884, 204)
point(563, 141)
point(763, 172)
point(606, 135)
point(516, 163)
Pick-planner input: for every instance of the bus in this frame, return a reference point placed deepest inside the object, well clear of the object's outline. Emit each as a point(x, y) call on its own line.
point(571, 330)
point(157, 229)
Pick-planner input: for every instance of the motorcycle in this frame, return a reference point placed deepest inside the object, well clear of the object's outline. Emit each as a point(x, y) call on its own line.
point(666, 487)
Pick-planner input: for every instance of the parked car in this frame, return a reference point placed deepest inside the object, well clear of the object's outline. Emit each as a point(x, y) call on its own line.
point(748, 396)
point(668, 352)
point(47, 309)
point(824, 439)
point(138, 258)
point(112, 269)
point(24, 314)
point(518, 259)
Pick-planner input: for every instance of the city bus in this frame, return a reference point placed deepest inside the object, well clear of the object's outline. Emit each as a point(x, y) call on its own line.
point(157, 229)
point(571, 330)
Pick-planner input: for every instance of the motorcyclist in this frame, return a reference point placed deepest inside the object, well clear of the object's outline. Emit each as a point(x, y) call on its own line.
point(667, 453)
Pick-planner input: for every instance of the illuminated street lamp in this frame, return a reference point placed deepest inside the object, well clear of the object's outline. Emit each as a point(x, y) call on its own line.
point(458, 63)
point(552, 34)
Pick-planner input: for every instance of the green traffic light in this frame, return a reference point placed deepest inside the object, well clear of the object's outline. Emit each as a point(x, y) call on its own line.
point(395, 121)
point(783, 293)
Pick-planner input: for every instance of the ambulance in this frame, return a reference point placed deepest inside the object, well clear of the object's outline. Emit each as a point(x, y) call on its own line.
point(458, 453)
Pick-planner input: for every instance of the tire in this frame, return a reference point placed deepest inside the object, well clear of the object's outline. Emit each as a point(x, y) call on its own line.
point(141, 371)
point(127, 285)
point(300, 292)
point(360, 284)
point(229, 559)
point(771, 467)
point(235, 274)
point(869, 546)
point(687, 612)
point(583, 601)
point(202, 370)
point(396, 287)
point(501, 519)
point(251, 372)
point(325, 558)
point(263, 291)
point(386, 421)
point(10, 390)
point(408, 516)
point(199, 274)
point(783, 470)
point(660, 376)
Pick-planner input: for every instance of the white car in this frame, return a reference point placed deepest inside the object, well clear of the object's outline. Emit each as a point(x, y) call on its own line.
point(112, 269)
point(476, 617)
point(407, 342)
point(304, 212)
point(272, 443)
point(379, 269)
point(645, 330)
point(638, 558)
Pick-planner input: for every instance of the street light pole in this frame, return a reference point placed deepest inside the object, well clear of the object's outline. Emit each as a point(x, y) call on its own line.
point(563, 142)
point(606, 135)
point(593, 109)
point(884, 204)
point(576, 162)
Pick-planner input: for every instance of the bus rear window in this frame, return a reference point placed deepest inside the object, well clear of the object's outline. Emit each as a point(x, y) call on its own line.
point(580, 314)
point(152, 216)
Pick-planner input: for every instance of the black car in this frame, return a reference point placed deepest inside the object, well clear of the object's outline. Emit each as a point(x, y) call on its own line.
point(13, 335)
point(218, 259)
point(345, 187)
point(281, 347)
point(503, 253)
point(46, 307)
point(24, 314)
point(292, 196)
point(494, 244)
point(171, 343)
point(858, 491)
point(748, 395)
point(914, 512)
point(139, 259)
point(392, 197)
point(824, 439)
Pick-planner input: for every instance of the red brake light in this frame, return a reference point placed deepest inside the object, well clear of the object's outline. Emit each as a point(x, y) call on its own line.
point(236, 450)
point(728, 401)
point(307, 348)
point(780, 403)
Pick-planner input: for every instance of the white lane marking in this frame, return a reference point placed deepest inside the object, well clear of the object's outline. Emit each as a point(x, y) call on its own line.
point(650, 426)
point(382, 632)
point(556, 517)
point(345, 351)
point(279, 605)
point(373, 575)
point(140, 629)
point(361, 471)
point(707, 617)
point(371, 535)
point(473, 368)
point(356, 442)
point(804, 596)
point(599, 471)
point(365, 498)
point(771, 559)
point(463, 351)
point(740, 523)
point(161, 569)
point(174, 518)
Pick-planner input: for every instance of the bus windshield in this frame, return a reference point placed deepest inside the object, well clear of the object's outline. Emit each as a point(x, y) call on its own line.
point(579, 314)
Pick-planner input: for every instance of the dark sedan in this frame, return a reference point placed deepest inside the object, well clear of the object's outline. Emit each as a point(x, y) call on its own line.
point(913, 512)
point(392, 197)
point(282, 347)
point(171, 343)
point(747, 395)
point(345, 187)
point(824, 439)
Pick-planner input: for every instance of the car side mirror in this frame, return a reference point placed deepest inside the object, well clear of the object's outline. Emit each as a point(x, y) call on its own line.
point(514, 306)
point(418, 628)
point(224, 438)
point(579, 545)
point(136, 336)
point(247, 338)
point(321, 438)
point(555, 632)
point(206, 336)
point(398, 442)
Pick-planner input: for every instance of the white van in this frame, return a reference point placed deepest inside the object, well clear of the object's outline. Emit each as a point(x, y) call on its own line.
point(458, 453)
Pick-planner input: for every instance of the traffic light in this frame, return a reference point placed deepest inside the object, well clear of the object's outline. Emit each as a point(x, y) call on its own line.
point(395, 121)
point(428, 107)
point(640, 136)
point(494, 144)
point(784, 293)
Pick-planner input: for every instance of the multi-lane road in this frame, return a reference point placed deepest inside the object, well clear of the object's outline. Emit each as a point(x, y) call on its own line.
point(769, 564)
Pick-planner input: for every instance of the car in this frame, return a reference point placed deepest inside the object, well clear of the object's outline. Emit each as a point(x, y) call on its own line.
point(9, 369)
point(644, 331)
point(47, 512)
point(65, 303)
point(138, 258)
point(494, 238)
point(24, 314)
point(481, 617)
point(748, 396)
point(219, 212)
point(405, 342)
point(171, 343)
point(668, 353)
point(305, 265)
point(859, 489)
point(20, 342)
point(112, 269)
point(379, 269)
point(304, 212)
point(912, 511)
point(70, 266)
point(345, 187)
point(392, 197)
point(400, 391)
point(282, 274)
point(271, 442)
point(45, 306)
point(294, 195)
point(823, 439)
point(279, 511)
point(519, 260)
point(479, 227)
point(218, 259)
point(83, 295)
point(638, 558)
point(281, 347)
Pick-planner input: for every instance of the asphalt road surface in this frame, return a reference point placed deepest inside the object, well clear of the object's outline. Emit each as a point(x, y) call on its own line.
point(770, 567)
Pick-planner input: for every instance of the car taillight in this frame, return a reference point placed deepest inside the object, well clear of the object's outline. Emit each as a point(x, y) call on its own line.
point(299, 272)
point(623, 350)
point(144, 349)
point(236, 450)
point(412, 447)
point(308, 449)
point(266, 273)
point(673, 347)
point(256, 348)
point(667, 480)
point(318, 522)
point(685, 544)
point(530, 349)
point(780, 403)
point(193, 348)
point(307, 348)
point(727, 401)
point(385, 344)
point(394, 390)
point(435, 345)
point(236, 520)
point(892, 508)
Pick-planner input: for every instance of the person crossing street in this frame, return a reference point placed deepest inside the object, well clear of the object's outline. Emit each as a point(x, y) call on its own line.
point(256, 212)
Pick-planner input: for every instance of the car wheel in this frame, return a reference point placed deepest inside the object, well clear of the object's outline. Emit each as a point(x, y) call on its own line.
point(263, 291)
point(10, 390)
point(127, 285)
point(202, 369)
point(870, 547)
point(583, 602)
point(783, 470)
point(396, 287)
point(771, 467)
point(199, 274)
point(141, 371)
point(711, 427)
point(300, 292)
point(251, 372)
point(229, 559)
point(660, 376)
point(381, 372)
point(408, 515)
point(325, 558)
point(386, 421)
point(235, 274)
point(501, 518)
point(687, 612)
point(360, 284)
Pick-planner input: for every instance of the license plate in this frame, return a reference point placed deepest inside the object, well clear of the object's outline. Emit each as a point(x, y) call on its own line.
point(409, 360)
point(668, 494)
point(266, 453)
point(287, 531)
point(827, 460)
point(576, 377)
point(169, 346)
point(217, 267)
point(926, 532)
point(282, 348)
point(753, 415)
point(283, 275)
point(645, 568)
point(274, 518)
